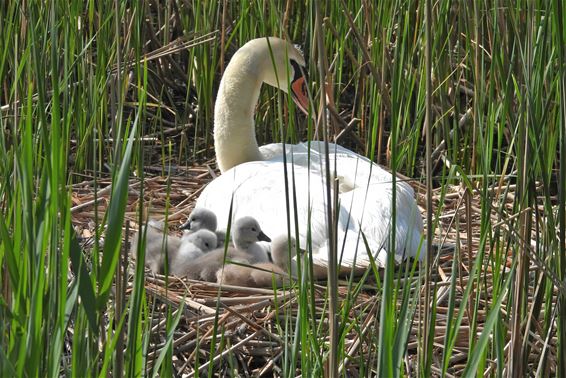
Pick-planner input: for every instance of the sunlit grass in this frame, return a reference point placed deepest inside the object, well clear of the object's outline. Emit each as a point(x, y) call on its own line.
point(97, 89)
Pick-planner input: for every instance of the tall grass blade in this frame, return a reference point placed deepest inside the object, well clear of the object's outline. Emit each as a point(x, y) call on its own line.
point(559, 23)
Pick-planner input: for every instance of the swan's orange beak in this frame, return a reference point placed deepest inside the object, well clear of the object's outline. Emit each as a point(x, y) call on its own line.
point(299, 94)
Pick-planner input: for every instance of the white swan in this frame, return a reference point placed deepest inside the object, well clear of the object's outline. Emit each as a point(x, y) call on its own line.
point(254, 177)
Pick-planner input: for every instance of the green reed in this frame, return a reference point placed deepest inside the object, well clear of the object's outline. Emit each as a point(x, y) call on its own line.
point(80, 88)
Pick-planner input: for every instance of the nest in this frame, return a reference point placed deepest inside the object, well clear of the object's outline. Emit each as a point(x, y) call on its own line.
point(251, 331)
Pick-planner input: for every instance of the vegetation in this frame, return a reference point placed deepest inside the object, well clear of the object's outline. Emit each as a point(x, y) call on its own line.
point(100, 92)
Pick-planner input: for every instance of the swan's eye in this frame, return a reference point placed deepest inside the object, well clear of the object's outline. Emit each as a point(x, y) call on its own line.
point(254, 229)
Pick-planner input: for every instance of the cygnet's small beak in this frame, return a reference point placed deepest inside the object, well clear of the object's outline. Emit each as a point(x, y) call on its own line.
point(186, 225)
point(299, 93)
point(263, 237)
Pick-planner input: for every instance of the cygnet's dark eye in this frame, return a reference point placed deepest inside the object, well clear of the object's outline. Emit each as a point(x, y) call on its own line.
point(253, 229)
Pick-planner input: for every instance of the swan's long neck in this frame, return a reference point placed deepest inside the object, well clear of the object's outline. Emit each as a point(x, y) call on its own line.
point(234, 130)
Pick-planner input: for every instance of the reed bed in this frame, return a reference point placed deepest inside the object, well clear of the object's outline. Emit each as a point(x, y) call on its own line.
point(247, 319)
point(106, 112)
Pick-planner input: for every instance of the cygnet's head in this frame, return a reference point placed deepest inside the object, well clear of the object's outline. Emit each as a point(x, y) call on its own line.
point(204, 239)
point(247, 231)
point(200, 219)
point(283, 249)
point(279, 64)
point(221, 238)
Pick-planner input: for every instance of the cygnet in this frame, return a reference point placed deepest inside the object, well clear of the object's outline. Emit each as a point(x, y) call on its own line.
point(262, 274)
point(247, 233)
point(202, 218)
point(193, 245)
point(157, 245)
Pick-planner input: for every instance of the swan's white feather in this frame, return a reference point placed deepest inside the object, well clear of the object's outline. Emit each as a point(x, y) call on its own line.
point(365, 194)
point(254, 177)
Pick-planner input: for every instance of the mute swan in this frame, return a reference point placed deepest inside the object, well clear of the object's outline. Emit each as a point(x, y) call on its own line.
point(253, 178)
point(202, 218)
point(262, 274)
point(157, 245)
point(247, 234)
point(193, 245)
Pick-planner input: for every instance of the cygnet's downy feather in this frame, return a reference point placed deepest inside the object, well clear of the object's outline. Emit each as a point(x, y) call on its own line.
point(247, 234)
point(262, 274)
point(193, 245)
point(204, 219)
point(157, 245)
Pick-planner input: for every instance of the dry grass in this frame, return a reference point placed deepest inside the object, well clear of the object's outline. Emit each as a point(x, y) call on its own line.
point(249, 340)
point(77, 77)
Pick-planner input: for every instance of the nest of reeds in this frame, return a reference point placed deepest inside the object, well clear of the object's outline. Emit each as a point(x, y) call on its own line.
point(242, 331)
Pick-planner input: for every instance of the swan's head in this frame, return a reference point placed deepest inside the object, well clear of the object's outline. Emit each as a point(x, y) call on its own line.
point(204, 239)
point(281, 65)
point(199, 219)
point(247, 231)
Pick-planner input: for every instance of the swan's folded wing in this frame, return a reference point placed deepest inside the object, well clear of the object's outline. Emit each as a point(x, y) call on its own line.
point(258, 190)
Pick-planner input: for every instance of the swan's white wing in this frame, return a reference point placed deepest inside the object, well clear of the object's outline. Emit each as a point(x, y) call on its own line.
point(365, 193)
point(370, 208)
point(353, 170)
point(258, 190)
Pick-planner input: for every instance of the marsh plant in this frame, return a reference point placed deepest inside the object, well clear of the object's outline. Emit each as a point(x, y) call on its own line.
point(99, 97)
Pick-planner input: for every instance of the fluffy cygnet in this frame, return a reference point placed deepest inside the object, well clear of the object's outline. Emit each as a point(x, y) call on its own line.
point(157, 245)
point(202, 218)
point(193, 245)
point(262, 274)
point(221, 238)
point(204, 240)
point(199, 219)
point(247, 233)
